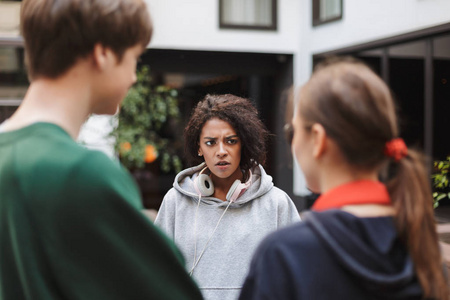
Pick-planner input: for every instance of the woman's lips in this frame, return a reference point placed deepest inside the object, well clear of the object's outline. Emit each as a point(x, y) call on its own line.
point(222, 165)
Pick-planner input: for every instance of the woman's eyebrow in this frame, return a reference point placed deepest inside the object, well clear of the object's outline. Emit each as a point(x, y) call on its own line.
point(232, 136)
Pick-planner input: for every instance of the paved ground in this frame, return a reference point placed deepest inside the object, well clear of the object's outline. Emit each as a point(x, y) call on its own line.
point(442, 214)
point(444, 237)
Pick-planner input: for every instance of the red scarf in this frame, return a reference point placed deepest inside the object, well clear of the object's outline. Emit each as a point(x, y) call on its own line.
point(353, 193)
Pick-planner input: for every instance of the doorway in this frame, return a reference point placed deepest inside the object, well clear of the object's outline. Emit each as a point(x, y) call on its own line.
point(261, 77)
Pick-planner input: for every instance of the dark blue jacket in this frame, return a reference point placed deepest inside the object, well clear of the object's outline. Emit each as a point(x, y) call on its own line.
point(333, 255)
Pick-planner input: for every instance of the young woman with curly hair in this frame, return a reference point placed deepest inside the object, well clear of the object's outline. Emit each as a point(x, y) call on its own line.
point(218, 211)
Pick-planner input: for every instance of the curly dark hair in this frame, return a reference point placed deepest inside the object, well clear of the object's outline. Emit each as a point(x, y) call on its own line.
point(241, 115)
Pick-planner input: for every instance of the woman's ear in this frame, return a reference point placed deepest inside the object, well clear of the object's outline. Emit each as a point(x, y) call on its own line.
point(319, 136)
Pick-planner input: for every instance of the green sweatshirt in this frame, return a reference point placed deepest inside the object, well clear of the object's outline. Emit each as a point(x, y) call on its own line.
point(71, 226)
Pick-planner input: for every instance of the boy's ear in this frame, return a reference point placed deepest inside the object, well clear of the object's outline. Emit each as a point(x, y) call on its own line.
point(319, 136)
point(101, 56)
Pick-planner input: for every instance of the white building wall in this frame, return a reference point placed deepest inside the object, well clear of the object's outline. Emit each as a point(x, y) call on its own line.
point(363, 21)
point(194, 25)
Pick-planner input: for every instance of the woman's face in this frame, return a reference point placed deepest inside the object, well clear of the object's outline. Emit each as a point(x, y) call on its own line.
point(221, 148)
point(302, 148)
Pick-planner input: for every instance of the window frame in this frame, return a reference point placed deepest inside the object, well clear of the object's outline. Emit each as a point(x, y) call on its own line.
point(272, 27)
point(316, 13)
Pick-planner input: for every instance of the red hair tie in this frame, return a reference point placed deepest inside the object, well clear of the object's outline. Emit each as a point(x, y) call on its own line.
point(396, 148)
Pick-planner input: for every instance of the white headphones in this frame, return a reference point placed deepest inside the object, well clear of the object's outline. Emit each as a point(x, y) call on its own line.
point(204, 186)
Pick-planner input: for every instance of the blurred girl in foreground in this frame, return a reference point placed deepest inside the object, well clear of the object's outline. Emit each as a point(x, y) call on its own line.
point(371, 234)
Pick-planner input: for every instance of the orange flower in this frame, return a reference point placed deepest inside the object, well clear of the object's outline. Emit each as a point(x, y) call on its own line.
point(150, 154)
point(125, 147)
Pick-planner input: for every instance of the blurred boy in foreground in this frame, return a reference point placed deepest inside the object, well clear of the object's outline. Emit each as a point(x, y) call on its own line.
point(70, 225)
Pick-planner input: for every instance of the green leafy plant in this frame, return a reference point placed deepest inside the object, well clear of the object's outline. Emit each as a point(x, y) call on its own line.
point(440, 179)
point(144, 115)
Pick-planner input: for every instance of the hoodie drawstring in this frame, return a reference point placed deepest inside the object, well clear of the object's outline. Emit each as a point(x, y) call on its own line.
point(195, 235)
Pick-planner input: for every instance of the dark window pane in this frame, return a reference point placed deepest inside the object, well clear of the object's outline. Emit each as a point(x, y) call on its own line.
point(406, 76)
point(13, 80)
point(372, 58)
point(441, 95)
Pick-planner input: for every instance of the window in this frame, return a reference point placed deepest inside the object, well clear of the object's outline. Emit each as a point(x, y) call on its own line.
point(440, 85)
point(325, 11)
point(9, 18)
point(13, 79)
point(248, 14)
point(416, 65)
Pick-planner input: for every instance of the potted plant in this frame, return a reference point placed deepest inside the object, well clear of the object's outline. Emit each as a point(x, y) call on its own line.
point(440, 179)
point(148, 115)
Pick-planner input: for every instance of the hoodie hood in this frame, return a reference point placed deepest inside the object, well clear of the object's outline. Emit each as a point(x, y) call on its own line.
point(260, 185)
point(370, 250)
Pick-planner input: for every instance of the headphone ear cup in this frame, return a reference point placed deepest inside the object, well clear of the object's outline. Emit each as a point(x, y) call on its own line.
point(204, 185)
point(238, 188)
point(234, 191)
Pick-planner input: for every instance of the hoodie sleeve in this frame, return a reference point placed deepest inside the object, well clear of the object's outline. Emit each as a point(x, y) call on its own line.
point(287, 211)
point(167, 213)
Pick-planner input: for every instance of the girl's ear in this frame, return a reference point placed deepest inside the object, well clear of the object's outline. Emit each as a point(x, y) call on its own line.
point(319, 136)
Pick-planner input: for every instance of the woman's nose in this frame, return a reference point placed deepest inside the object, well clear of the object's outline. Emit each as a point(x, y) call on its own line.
point(221, 151)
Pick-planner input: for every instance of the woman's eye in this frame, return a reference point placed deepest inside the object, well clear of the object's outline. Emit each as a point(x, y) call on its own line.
point(232, 142)
point(209, 143)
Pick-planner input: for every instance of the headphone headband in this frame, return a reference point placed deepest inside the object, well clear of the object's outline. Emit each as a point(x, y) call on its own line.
point(204, 186)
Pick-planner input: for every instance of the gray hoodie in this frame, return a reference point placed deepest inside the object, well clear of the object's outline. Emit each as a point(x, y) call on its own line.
point(222, 268)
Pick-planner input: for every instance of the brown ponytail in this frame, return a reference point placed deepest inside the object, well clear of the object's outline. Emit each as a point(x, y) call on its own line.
point(411, 196)
point(357, 111)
